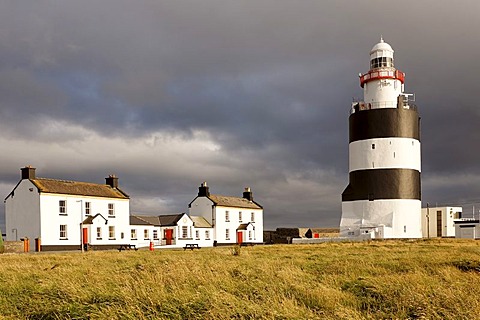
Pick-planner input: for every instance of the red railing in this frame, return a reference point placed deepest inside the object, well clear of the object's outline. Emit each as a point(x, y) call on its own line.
point(382, 74)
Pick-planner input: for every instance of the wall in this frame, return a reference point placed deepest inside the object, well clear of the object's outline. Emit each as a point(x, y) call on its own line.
point(75, 213)
point(22, 213)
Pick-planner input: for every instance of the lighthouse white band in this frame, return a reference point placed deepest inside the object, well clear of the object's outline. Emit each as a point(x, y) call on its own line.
point(385, 153)
point(386, 218)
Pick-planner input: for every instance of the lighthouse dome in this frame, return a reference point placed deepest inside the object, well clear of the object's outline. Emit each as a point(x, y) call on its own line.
point(381, 46)
point(381, 55)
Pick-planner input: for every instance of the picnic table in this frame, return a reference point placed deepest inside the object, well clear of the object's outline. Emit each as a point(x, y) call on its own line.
point(127, 247)
point(191, 246)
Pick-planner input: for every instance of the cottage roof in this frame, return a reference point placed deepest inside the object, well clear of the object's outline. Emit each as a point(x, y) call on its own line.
point(228, 201)
point(78, 188)
point(170, 219)
point(89, 219)
point(200, 222)
point(244, 226)
point(143, 220)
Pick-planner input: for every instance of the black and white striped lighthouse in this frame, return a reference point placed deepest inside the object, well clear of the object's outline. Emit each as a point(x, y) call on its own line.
point(383, 197)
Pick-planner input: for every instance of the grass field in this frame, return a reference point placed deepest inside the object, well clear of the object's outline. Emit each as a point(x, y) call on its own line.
point(424, 279)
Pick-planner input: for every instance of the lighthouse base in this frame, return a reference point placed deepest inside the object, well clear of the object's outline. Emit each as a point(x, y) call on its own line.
point(381, 219)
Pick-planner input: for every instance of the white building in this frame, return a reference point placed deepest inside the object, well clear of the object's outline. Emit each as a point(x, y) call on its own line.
point(170, 231)
point(439, 221)
point(383, 197)
point(467, 228)
point(234, 219)
point(62, 215)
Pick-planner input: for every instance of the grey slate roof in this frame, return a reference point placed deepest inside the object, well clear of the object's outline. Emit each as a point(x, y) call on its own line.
point(78, 188)
point(200, 222)
point(162, 220)
point(227, 201)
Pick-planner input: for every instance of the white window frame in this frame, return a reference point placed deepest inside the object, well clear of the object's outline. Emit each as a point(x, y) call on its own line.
point(99, 233)
point(63, 232)
point(111, 232)
point(62, 207)
point(87, 207)
point(111, 210)
point(184, 232)
point(240, 216)
point(207, 234)
point(197, 234)
point(249, 234)
point(252, 217)
point(155, 234)
point(146, 234)
point(227, 216)
point(227, 234)
point(133, 234)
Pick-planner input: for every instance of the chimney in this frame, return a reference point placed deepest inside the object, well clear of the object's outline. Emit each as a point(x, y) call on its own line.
point(203, 190)
point(28, 172)
point(247, 194)
point(112, 181)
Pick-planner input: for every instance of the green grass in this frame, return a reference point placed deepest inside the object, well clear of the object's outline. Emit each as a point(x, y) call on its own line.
point(424, 279)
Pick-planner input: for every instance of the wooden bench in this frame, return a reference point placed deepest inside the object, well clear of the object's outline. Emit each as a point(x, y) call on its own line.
point(191, 246)
point(127, 247)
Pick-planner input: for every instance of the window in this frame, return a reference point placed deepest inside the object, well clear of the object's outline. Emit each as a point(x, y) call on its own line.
point(373, 146)
point(227, 216)
point(184, 232)
point(207, 234)
point(252, 218)
point(227, 234)
point(146, 234)
point(62, 207)
point(87, 207)
point(111, 210)
point(63, 232)
point(197, 234)
point(99, 233)
point(249, 235)
point(111, 232)
point(155, 234)
point(404, 228)
point(240, 216)
point(133, 234)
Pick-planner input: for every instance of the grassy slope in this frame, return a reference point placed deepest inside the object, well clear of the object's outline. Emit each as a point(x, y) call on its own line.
point(389, 279)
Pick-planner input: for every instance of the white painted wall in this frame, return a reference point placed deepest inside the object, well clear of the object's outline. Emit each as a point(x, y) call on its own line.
point(234, 222)
point(385, 153)
point(403, 217)
point(382, 93)
point(75, 213)
point(22, 213)
point(202, 206)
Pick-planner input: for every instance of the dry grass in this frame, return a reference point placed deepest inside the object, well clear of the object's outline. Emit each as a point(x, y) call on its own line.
point(435, 279)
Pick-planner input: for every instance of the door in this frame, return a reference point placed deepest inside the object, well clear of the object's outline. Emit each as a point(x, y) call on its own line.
point(239, 237)
point(439, 223)
point(85, 236)
point(168, 236)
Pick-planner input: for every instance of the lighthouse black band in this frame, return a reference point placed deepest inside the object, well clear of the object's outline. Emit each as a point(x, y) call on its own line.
point(384, 123)
point(378, 184)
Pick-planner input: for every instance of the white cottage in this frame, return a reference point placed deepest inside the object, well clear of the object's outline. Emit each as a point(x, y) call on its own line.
point(234, 219)
point(170, 231)
point(62, 215)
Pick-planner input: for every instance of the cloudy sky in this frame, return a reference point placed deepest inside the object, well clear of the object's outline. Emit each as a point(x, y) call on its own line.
point(167, 94)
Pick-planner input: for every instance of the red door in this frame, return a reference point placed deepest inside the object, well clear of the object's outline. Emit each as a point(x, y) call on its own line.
point(239, 237)
point(85, 236)
point(169, 236)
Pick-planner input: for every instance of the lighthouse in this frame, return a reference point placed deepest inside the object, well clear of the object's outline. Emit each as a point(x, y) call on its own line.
point(383, 197)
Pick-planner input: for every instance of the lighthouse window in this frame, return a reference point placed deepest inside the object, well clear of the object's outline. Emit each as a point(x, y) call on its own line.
point(373, 145)
point(381, 62)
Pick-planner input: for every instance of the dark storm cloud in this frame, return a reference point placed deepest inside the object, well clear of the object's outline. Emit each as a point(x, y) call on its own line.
point(170, 93)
